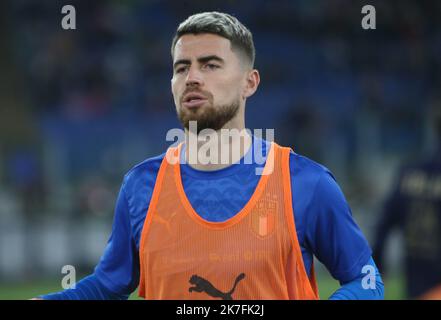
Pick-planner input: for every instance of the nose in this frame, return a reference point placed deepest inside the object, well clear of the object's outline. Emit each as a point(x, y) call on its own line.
point(194, 77)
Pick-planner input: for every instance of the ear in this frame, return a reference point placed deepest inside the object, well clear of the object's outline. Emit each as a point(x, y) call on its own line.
point(252, 81)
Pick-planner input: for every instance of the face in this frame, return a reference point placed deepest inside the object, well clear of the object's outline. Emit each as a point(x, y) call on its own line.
point(209, 82)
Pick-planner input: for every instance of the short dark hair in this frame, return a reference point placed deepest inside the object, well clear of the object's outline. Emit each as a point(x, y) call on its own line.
point(221, 24)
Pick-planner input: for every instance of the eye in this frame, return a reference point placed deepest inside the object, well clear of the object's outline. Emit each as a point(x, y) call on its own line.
point(181, 69)
point(211, 66)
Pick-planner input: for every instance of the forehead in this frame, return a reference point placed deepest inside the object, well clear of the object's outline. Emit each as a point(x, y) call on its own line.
point(195, 45)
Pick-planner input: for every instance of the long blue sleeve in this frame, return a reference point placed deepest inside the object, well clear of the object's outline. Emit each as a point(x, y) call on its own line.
point(357, 289)
point(89, 288)
point(117, 274)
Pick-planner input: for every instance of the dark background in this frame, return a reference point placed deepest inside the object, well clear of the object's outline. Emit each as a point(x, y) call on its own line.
point(79, 108)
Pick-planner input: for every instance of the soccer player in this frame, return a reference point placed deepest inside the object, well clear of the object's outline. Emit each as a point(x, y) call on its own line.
point(414, 208)
point(187, 229)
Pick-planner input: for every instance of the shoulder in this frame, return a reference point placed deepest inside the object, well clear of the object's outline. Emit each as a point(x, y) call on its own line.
point(303, 163)
point(309, 175)
point(137, 189)
point(142, 174)
point(316, 194)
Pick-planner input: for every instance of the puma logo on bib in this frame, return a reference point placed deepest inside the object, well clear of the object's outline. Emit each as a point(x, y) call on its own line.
point(203, 285)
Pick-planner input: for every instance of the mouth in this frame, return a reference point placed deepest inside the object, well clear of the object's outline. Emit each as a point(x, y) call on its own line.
point(193, 100)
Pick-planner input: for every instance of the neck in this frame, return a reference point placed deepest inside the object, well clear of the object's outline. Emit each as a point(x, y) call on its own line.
point(214, 150)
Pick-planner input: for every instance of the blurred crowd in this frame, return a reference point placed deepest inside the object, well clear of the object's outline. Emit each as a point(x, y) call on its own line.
point(81, 107)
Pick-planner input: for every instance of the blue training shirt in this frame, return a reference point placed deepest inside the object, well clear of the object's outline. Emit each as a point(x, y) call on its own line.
point(324, 222)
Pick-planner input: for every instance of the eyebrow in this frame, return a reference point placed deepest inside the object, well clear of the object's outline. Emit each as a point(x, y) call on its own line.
point(203, 59)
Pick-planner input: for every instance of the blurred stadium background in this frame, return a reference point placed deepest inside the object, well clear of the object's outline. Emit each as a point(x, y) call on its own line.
point(79, 108)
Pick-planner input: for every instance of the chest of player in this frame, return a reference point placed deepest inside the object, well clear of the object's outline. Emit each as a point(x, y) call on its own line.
point(254, 254)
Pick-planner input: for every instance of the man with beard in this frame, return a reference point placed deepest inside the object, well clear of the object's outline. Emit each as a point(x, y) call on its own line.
point(190, 229)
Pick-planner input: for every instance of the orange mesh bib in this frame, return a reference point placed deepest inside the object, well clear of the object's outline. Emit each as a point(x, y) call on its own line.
point(253, 255)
